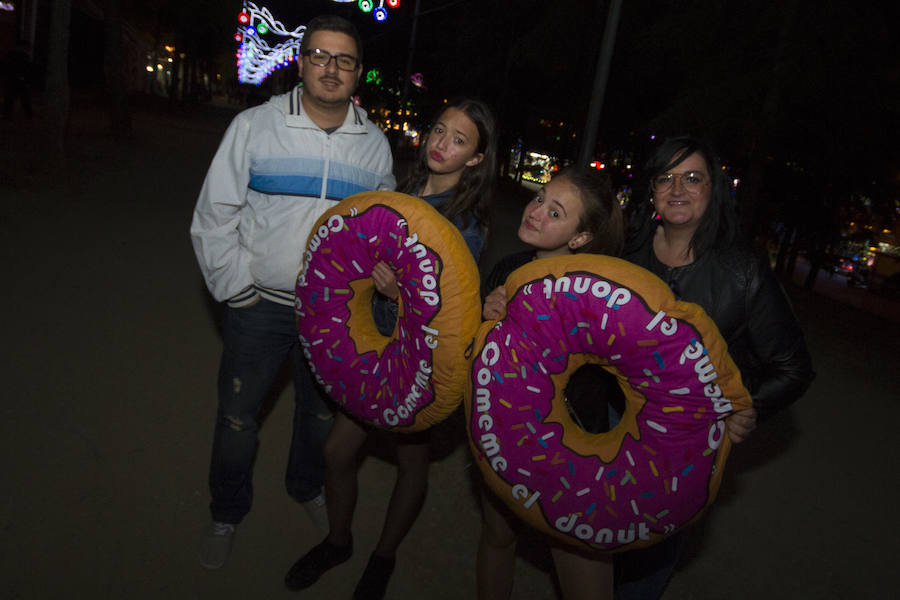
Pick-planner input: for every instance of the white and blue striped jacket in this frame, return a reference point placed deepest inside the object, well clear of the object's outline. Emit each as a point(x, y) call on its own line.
point(274, 174)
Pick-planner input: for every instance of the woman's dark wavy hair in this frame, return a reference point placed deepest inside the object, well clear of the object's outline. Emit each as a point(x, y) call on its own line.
point(719, 225)
point(473, 192)
point(602, 216)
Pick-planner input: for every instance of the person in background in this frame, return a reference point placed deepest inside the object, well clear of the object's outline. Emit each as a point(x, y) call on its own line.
point(576, 211)
point(454, 173)
point(278, 168)
point(685, 231)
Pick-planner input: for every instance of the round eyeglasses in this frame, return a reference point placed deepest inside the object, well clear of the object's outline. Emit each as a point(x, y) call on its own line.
point(691, 181)
point(321, 58)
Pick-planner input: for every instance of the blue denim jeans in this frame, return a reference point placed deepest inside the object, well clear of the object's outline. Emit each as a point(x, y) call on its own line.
point(258, 339)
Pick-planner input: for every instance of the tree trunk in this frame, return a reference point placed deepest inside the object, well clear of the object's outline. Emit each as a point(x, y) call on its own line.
point(113, 70)
point(759, 147)
point(56, 90)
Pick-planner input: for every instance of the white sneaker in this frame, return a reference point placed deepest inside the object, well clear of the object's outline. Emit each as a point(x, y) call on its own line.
point(216, 545)
point(318, 512)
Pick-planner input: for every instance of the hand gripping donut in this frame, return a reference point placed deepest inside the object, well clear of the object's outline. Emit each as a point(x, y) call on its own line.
point(662, 464)
point(415, 378)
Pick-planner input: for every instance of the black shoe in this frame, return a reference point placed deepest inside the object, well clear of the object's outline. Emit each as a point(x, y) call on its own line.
point(374, 580)
point(314, 563)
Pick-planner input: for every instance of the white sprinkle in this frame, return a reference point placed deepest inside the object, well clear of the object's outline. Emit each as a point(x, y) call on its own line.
point(319, 274)
point(582, 492)
point(373, 239)
point(531, 388)
point(336, 320)
point(547, 436)
point(657, 426)
point(634, 507)
point(565, 483)
point(317, 342)
point(675, 484)
point(630, 459)
point(599, 473)
point(525, 473)
point(603, 321)
point(507, 338)
point(680, 391)
point(356, 265)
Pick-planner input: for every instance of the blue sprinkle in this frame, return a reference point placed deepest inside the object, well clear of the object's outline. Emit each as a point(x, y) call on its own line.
point(571, 296)
point(648, 495)
point(537, 413)
point(364, 359)
point(687, 469)
point(524, 335)
point(413, 283)
point(312, 298)
point(363, 397)
point(543, 317)
point(611, 473)
point(659, 360)
point(571, 468)
point(559, 358)
point(343, 385)
point(591, 508)
point(542, 442)
point(574, 330)
point(338, 358)
point(497, 376)
point(360, 235)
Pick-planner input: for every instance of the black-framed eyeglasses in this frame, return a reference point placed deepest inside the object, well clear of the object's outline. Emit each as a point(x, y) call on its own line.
point(321, 58)
point(692, 181)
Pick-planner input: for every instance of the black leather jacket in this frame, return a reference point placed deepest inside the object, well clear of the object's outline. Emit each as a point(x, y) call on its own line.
point(740, 293)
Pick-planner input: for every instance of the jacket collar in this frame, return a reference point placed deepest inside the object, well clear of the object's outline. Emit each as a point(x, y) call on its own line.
point(294, 115)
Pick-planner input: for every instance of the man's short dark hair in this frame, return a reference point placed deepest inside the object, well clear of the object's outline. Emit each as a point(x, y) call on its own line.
point(332, 23)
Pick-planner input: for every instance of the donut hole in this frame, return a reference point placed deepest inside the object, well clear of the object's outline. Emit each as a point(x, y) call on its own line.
point(594, 399)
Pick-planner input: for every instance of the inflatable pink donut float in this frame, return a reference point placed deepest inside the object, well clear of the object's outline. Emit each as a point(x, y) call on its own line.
point(416, 377)
point(654, 472)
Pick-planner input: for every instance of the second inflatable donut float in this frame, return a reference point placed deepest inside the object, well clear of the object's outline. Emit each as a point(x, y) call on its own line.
point(654, 472)
point(416, 377)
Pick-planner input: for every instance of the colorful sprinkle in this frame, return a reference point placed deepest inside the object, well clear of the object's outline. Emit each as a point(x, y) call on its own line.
point(656, 426)
point(673, 409)
point(557, 496)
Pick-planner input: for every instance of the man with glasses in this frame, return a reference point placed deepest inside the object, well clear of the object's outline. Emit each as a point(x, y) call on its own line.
point(278, 168)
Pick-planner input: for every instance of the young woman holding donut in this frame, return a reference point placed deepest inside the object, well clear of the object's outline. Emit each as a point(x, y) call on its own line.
point(454, 173)
point(576, 211)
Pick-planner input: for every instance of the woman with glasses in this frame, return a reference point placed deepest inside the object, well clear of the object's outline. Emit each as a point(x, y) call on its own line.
point(454, 173)
point(685, 230)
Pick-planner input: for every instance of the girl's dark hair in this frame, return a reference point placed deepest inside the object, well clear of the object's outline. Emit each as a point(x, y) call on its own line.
point(719, 225)
point(602, 216)
point(473, 192)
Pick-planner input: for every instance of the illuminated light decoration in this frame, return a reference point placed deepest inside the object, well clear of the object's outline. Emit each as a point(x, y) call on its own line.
point(368, 6)
point(417, 80)
point(373, 76)
point(8, 6)
point(256, 59)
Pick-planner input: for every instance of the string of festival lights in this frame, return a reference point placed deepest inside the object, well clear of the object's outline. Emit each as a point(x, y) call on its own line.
point(256, 59)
